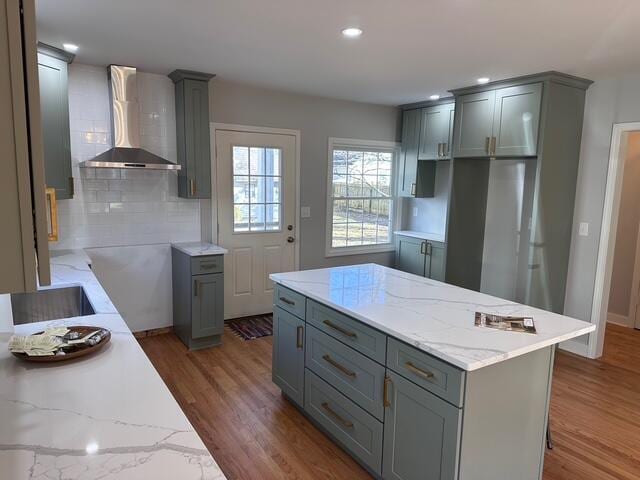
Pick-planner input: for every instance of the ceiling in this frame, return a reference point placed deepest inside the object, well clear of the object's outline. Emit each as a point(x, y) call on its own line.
point(410, 49)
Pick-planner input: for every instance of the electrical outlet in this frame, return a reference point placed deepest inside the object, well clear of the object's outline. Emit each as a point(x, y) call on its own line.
point(583, 230)
point(414, 212)
point(305, 212)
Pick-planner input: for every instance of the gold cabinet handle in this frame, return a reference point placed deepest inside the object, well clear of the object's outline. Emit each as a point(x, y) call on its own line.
point(196, 284)
point(192, 186)
point(423, 248)
point(299, 337)
point(338, 328)
point(418, 371)
point(445, 149)
point(287, 301)
point(330, 411)
point(487, 145)
point(208, 266)
point(52, 213)
point(413, 189)
point(493, 146)
point(342, 368)
point(385, 391)
point(440, 149)
point(429, 248)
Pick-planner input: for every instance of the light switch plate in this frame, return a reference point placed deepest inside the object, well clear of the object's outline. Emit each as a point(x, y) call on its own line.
point(414, 212)
point(305, 212)
point(583, 230)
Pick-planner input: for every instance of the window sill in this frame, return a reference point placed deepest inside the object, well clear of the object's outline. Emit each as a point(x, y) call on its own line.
point(345, 251)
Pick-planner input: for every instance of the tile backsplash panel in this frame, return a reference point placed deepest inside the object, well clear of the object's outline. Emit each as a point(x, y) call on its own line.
point(114, 207)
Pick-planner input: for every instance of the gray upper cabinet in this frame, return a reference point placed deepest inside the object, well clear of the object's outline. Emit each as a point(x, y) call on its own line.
point(192, 129)
point(436, 129)
point(407, 178)
point(207, 310)
point(287, 368)
point(420, 434)
point(516, 119)
point(54, 108)
point(474, 123)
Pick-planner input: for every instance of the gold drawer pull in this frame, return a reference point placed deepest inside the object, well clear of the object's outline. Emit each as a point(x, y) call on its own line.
point(385, 392)
point(331, 412)
point(287, 301)
point(342, 368)
point(299, 337)
point(421, 373)
point(343, 331)
point(52, 214)
point(208, 266)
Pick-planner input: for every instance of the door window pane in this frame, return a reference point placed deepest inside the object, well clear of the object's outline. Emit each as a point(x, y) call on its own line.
point(257, 182)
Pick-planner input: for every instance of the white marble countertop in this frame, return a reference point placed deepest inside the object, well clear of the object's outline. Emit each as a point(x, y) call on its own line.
point(199, 249)
point(435, 237)
point(108, 416)
point(433, 316)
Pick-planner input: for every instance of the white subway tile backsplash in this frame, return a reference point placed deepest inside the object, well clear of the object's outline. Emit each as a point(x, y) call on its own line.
point(115, 207)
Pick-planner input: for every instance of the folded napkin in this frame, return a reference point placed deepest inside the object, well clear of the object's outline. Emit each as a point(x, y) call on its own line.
point(44, 344)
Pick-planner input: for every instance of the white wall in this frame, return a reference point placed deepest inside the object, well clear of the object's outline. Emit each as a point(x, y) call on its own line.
point(609, 100)
point(627, 234)
point(122, 207)
point(318, 119)
point(431, 212)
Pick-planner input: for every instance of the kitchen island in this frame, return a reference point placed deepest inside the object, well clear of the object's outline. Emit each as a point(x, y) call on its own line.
point(392, 367)
point(107, 416)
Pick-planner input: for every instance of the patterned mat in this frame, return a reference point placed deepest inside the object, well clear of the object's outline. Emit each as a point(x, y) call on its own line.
point(249, 328)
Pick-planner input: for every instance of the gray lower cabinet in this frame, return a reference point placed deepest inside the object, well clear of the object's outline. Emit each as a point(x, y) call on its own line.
point(421, 434)
point(288, 354)
point(192, 129)
point(54, 108)
point(420, 257)
point(198, 299)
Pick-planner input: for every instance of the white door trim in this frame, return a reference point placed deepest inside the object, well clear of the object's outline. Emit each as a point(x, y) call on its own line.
point(216, 126)
point(607, 244)
point(633, 320)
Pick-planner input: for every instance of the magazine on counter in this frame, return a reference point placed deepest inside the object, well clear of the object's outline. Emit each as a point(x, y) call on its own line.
point(501, 322)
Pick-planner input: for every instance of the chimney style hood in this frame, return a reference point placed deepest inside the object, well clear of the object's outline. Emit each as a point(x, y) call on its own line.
point(126, 152)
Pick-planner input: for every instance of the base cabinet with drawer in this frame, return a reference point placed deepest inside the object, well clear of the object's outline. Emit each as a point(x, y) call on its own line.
point(401, 412)
point(198, 299)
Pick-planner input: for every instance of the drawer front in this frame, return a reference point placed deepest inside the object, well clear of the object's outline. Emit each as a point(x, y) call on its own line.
point(352, 332)
point(355, 429)
point(289, 300)
point(208, 264)
point(437, 376)
point(359, 378)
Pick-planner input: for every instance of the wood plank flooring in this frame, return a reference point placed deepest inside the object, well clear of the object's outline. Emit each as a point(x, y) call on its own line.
point(253, 433)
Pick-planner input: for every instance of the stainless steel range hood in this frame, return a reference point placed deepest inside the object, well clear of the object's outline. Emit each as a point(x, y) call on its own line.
point(126, 152)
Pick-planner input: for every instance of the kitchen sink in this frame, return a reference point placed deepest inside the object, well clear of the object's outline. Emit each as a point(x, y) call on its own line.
point(50, 304)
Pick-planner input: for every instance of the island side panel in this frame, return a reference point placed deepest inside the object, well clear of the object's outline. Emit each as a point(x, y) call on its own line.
point(505, 418)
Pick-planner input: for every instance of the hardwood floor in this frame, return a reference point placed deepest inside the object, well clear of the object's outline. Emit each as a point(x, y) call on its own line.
point(253, 433)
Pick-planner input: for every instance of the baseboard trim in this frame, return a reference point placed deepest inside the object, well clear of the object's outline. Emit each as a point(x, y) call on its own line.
point(618, 319)
point(574, 346)
point(152, 332)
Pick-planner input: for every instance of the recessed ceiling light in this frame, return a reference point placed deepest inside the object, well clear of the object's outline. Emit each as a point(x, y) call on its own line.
point(70, 47)
point(434, 97)
point(483, 80)
point(352, 32)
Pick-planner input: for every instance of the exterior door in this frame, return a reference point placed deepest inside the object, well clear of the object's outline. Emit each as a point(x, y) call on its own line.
point(515, 123)
point(474, 124)
point(256, 190)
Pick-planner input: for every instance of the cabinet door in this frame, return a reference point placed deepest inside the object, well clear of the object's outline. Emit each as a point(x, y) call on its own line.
point(409, 153)
point(434, 132)
point(452, 118)
point(198, 152)
point(207, 305)
point(420, 434)
point(436, 261)
point(287, 370)
point(516, 119)
point(411, 255)
point(474, 121)
point(54, 108)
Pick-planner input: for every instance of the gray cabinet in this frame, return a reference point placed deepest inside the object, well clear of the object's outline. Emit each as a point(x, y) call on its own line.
point(24, 251)
point(420, 257)
point(498, 123)
point(436, 129)
point(408, 171)
point(54, 108)
point(287, 368)
point(420, 434)
point(198, 299)
point(192, 129)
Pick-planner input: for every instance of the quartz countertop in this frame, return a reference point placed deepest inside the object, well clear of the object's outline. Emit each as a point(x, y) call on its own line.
point(435, 317)
point(435, 237)
point(199, 249)
point(105, 416)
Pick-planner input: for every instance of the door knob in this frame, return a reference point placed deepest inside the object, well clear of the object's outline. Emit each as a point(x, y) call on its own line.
point(290, 239)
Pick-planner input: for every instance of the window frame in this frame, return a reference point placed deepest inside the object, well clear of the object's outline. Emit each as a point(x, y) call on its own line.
point(364, 145)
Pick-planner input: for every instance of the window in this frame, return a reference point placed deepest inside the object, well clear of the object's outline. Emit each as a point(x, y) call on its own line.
point(360, 206)
point(257, 179)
